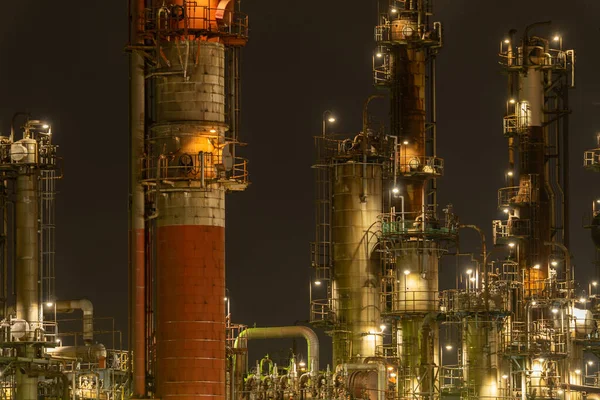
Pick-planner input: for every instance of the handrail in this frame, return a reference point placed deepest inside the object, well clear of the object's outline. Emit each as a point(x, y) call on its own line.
point(591, 158)
point(515, 195)
point(194, 19)
point(405, 226)
point(202, 167)
point(412, 165)
point(556, 59)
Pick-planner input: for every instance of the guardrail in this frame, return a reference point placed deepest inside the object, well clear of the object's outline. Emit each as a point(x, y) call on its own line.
point(554, 58)
point(512, 228)
point(405, 226)
point(420, 165)
point(321, 311)
point(509, 196)
point(194, 19)
point(591, 159)
point(203, 167)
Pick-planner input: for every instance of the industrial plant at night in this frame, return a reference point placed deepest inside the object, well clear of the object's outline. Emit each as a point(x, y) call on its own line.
point(404, 303)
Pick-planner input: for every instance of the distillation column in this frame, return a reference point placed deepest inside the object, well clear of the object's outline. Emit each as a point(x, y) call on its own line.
point(534, 255)
point(407, 43)
point(191, 93)
point(28, 166)
point(537, 332)
point(357, 201)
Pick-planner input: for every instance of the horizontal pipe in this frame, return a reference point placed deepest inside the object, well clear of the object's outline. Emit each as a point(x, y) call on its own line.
point(95, 353)
point(281, 332)
point(68, 306)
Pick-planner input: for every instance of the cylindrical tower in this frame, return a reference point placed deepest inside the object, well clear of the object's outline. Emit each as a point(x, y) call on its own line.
point(535, 232)
point(190, 234)
point(376, 204)
point(531, 171)
point(192, 106)
point(28, 170)
point(356, 274)
point(408, 42)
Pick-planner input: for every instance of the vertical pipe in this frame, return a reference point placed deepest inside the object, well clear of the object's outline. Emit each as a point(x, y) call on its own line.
point(27, 273)
point(433, 94)
point(565, 165)
point(4, 255)
point(136, 204)
point(27, 249)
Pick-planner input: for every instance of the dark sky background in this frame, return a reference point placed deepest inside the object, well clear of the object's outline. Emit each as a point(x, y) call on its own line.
point(65, 61)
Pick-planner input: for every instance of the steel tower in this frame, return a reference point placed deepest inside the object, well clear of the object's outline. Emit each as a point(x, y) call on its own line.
point(378, 237)
point(185, 88)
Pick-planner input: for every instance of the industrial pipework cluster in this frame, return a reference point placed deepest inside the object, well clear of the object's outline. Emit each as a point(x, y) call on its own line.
point(515, 326)
point(35, 361)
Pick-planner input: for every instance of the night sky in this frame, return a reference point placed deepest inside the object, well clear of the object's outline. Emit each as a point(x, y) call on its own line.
point(65, 62)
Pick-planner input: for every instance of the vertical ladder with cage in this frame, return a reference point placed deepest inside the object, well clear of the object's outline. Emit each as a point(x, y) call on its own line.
point(321, 248)
point(47, 245)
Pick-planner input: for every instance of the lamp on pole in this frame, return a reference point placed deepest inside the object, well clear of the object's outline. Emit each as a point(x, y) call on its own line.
point(327, 117)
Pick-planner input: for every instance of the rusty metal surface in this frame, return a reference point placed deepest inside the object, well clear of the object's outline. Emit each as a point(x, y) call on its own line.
point(191, 317)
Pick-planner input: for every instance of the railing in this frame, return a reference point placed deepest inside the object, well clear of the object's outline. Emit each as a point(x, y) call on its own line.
point(322, 312)
point(389, 352)
point(554, 58)
point(396, 298)
point(542, 337)
point(206, 168)
point(405, 226)
point(513, 339)
point(399, 30)
point(510, 272)
point(43, 157)
point(46, 332)
point(472, 301)
point(515, 124)
point(511, 228)
point(416, 165)
point(591, 159)
point(509, 196)
point(451, 378)
point(232, 334)
point(117, 360)
point(194, 19)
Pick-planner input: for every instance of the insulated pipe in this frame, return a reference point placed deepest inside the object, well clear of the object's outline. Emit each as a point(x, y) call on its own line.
point(279, 332)
point(68, 306)
point(95, 353)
